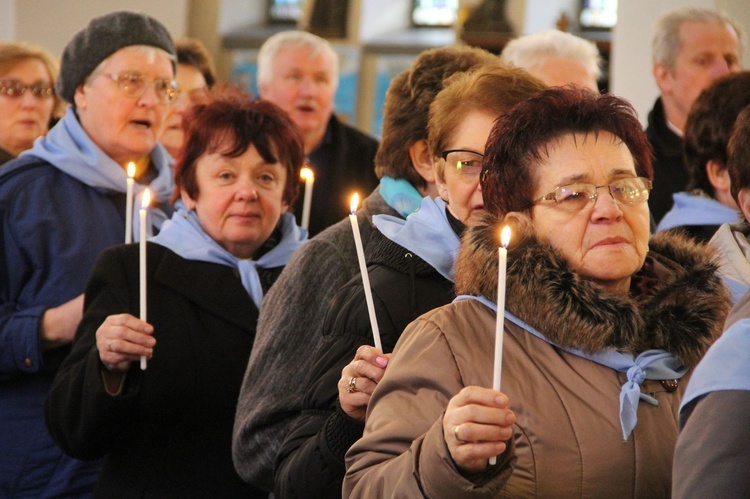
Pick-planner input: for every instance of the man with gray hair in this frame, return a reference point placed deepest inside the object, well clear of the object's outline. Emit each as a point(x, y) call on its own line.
point(556, 58)
point(692, 47)
point(298, 71)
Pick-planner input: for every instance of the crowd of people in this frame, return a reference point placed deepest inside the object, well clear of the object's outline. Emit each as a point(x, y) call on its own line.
point(168, 329)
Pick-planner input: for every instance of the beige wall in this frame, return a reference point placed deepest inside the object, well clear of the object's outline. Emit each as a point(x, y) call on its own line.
point(52, 23)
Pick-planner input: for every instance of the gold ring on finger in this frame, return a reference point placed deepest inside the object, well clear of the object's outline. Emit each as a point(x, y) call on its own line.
point(352, 386)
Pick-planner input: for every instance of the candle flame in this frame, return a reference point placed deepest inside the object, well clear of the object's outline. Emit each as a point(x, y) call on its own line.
point(306, 174)
point(505, 236)
point(354, 203)
point(146, 199)
point(131, 169)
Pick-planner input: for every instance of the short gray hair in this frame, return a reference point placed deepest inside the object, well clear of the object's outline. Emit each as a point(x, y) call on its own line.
point(530, 50)
point(666, 45)
point(275, 43)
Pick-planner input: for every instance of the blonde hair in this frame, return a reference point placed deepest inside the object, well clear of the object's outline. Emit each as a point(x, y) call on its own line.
point(11, 53)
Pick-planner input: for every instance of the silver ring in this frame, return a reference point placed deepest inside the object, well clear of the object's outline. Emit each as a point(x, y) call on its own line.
point(455, 434)
point(352, 387)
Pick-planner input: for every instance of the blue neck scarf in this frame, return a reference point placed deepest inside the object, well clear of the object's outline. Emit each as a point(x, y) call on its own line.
point(69, 149)
point(651, 364)
point(184, 235)
point(726, 365)
point(400, 195)
point(426, 233)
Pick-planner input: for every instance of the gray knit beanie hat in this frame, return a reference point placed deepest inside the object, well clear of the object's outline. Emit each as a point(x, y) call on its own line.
point(102, 37)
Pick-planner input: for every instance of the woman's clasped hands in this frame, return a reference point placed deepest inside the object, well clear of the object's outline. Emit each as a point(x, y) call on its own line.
point(476, 426)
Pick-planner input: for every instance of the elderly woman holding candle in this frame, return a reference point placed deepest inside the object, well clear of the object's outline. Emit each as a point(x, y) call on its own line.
point(411, 272)
point(601, 327)
point(61, 203)
point(168, 430)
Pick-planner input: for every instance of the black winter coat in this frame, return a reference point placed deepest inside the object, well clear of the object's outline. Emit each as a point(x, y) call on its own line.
point(310, 462)
point(169, 432)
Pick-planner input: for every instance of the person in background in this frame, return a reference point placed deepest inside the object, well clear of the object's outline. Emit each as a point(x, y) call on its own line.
point(167, 430)
point(712, 457)
point(691, 47)
point(595, 318)
point(28, 101)
point(195, 75)
point(410, 265)
point(290, 329)
point(299, 72)
point(556, 58)
point(63, 202)
point(731, 239)
point(708, 202)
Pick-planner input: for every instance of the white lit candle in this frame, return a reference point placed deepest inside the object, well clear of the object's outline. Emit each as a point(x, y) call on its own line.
point(129, 204)
point(143, 212)
point(363, 272)
point(502, 263)
point(307, 175)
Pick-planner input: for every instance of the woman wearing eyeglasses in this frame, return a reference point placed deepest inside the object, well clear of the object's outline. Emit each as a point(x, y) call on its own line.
point(410, 264)
point(601, 327)
point(27, 96)
point(63, 202)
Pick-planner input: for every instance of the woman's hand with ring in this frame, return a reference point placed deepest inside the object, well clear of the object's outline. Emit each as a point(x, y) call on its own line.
point(476, 426)
point(359, 378)
point(122, 339)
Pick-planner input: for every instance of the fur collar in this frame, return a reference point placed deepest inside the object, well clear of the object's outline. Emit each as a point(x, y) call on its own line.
point(677, 302)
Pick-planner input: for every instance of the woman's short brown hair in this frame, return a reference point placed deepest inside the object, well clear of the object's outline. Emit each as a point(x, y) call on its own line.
point(492, 89)
point(230, 120)
point(519, 140)
point(738, 151)
point(192, 52)
point(407, 105)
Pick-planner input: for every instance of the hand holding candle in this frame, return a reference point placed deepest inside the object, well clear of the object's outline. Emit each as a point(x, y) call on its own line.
point(129, 204)
point(502, 264)
point(363, 272)
point(307, 175)
point(143, 212)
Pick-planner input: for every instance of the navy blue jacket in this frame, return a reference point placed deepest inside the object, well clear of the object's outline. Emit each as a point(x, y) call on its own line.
point(52, 229)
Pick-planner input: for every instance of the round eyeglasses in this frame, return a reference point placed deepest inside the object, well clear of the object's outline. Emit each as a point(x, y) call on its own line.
point(575, 197)
point(134, 85)
point(14, 88)
point(465, 161)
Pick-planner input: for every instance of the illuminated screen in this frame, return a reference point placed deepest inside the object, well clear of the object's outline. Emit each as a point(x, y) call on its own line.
point(598, 14)
point(284, 11)
point(435, 12)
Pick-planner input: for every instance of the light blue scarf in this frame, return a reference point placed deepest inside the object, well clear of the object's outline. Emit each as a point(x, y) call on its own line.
point(69, 149)
point(400, 195)
point(726, 365)
point(426, 233)
point(651, 364)
point(184, 235)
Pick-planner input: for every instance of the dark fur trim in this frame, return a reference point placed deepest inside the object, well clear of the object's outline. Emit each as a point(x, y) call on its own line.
point(683, 313)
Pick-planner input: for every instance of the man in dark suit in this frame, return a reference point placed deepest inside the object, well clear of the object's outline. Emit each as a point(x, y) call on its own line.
point(298, 71)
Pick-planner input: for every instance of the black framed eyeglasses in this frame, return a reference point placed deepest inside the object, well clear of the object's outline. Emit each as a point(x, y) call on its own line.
point(575, 197)
point(14, 88)
point(465, 161)
point(134, 85)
